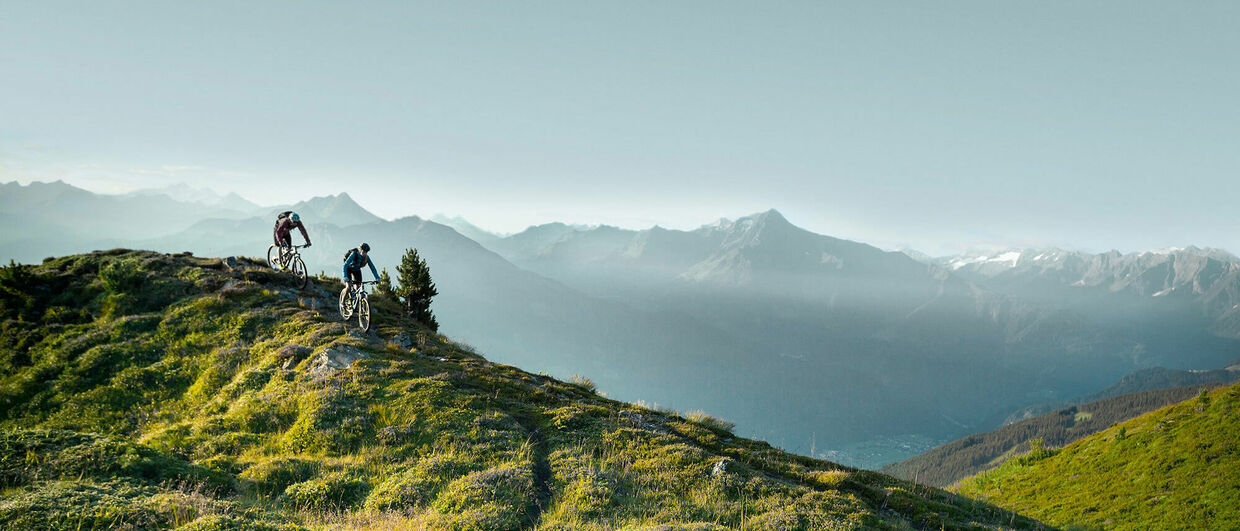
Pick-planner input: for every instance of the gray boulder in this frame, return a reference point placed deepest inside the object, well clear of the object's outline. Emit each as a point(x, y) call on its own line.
point(334, 358)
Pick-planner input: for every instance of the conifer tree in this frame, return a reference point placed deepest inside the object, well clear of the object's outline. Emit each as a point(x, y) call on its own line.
point(384, 287)
point(416, 288)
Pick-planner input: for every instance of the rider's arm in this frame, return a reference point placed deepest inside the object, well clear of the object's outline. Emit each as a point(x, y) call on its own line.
point(304, 236)
point(371, 263)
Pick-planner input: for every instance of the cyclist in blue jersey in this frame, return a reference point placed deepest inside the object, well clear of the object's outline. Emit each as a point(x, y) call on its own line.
point(354, 260)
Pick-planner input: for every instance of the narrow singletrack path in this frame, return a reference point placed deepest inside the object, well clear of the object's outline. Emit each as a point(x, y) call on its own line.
point(542, 466)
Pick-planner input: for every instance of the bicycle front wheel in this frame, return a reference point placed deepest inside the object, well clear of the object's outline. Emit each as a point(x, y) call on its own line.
point(273, 257)
point(363, 314)
point(299, 272)
point(346, 306)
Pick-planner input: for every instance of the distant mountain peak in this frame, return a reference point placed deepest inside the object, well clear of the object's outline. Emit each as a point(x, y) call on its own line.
point(182, 192)
point(772, 214)
point(338, 209)
point(465, 228)
point(759, 221)
point(57, 184)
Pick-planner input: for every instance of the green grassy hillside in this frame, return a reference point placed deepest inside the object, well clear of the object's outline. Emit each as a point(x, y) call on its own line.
point(956, 460)
point(142, 390)
point(1174, 468)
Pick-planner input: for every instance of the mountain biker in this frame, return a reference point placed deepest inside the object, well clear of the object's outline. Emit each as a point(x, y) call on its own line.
point(282, 232)
point(354, 259)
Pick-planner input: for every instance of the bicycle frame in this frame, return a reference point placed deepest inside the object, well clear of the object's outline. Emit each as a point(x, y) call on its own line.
point(287, 254)
point(288, 258)
point(354, 302)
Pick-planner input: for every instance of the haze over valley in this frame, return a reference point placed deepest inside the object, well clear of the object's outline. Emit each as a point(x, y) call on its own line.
point(819, 344)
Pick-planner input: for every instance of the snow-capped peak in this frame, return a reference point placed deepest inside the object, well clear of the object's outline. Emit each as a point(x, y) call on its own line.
point(1165, 250)
point(1009, 258)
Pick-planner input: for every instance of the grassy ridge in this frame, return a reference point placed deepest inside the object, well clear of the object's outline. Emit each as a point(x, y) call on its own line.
point(1174, 468)
point(212, 395)
point(956, 460)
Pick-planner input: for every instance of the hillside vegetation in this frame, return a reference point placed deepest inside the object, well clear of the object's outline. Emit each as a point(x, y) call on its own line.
point(951, 462)
point(142, 390)
point(1174, 468)
point(1163, 378)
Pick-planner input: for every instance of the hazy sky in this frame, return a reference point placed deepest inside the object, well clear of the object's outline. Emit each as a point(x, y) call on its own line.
point(1084, 124)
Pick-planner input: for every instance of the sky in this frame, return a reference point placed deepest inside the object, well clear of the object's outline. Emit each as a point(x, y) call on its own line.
point(1088, 125)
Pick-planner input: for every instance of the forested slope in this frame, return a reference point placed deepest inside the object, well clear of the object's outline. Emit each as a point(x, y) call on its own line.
point(948, 463)
point(1174, 468)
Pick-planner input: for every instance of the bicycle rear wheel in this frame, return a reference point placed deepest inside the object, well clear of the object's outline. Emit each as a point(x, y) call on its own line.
point(346, 305)
point(363, 314)
point(273, 257)
point(299, 272)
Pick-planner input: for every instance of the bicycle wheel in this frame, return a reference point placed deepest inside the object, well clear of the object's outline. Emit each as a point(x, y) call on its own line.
point(363, 314)
point(273, 257)
point(346, 305)
point(299, 272)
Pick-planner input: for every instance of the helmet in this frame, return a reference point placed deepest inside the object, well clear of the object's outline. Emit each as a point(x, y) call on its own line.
point(295, 217)
point(365, 247)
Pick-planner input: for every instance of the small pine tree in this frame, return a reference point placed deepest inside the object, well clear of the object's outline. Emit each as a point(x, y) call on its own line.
point(416, 288)
point(384, 287)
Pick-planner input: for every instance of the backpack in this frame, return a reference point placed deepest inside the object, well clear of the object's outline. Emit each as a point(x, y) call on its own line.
point(281, 217)
point(349, 252)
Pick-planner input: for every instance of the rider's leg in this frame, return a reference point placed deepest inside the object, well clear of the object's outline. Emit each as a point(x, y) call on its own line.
point(355, 280)
point(286, 248)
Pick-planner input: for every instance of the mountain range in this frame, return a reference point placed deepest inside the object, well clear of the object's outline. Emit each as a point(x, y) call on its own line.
point(851, 316)
point(819, 344)
point(184, 193)
point(1174, 296)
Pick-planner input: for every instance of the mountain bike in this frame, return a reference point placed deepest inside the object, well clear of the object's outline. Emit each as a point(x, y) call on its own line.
point(282, 258)
point(354, 301)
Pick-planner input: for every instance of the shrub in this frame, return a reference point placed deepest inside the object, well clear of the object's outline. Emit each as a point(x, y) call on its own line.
point(333, 492)
point(831, 479)
point(121, 276)
point(56, 454)
point(420, 484)
point(74, 505)
point(589, 496)
point(704, 419)
point(583, 382)
point(16, 281)
point(495, 498)
point(1037, 452)
point(273, 476)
